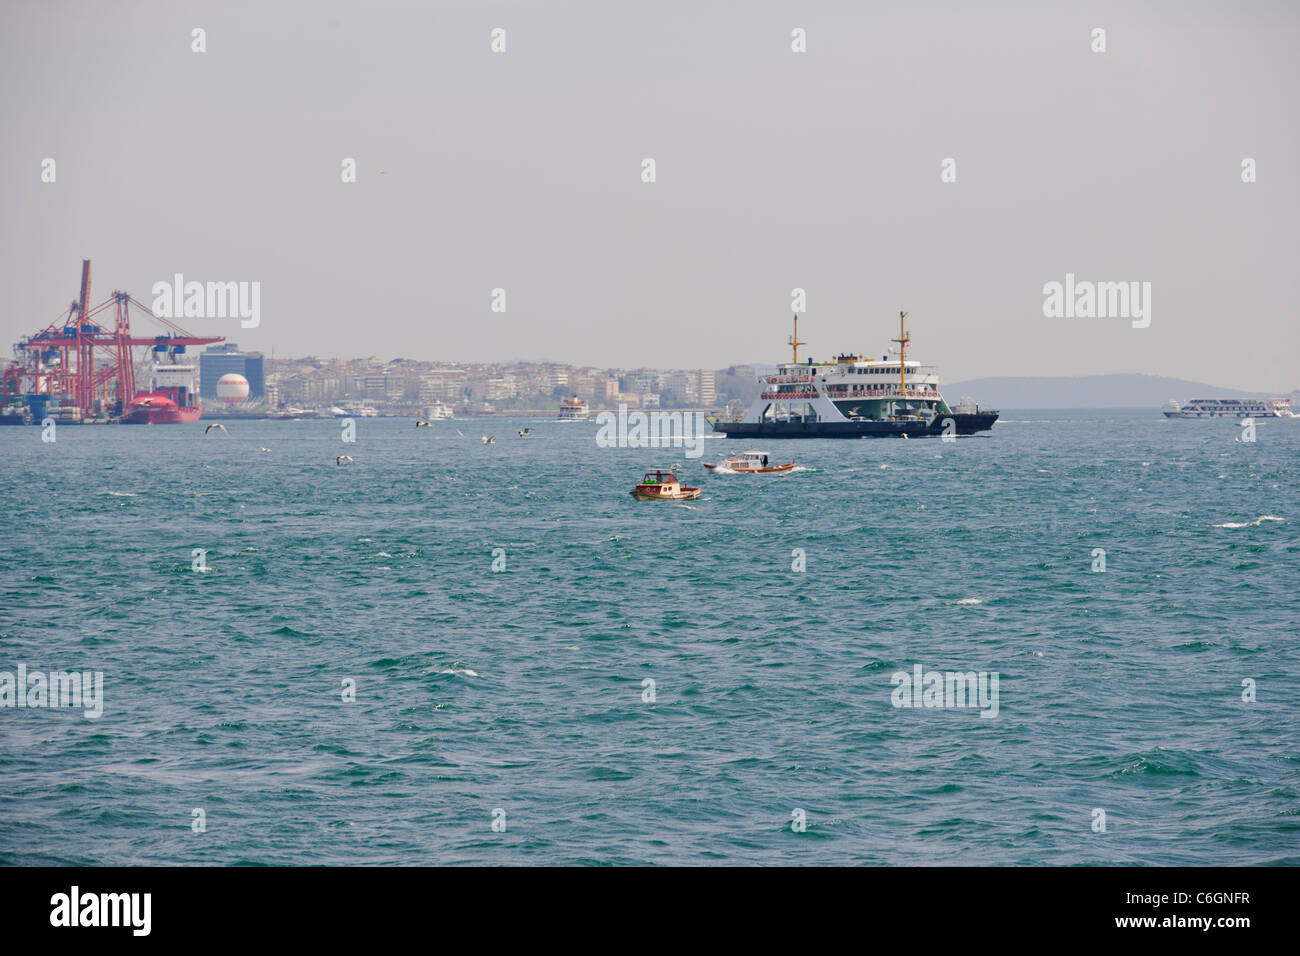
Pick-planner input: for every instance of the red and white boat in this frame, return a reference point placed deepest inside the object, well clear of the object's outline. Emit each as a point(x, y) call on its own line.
point(574, 410)
point(173, 400)
point(661, 485)
point(159, 408)
point(751, 463)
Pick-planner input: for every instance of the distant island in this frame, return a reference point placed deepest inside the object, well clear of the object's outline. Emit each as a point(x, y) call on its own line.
point(1092, 391)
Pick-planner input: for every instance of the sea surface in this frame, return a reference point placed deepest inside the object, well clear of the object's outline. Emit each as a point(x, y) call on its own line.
point(519, 696)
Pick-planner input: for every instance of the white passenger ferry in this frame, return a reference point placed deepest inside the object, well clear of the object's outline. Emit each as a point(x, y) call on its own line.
point(855, 397)
point(574, 410)
point(1230, 408)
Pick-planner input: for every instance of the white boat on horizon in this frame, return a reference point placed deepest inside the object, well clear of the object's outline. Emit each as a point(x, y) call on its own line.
point(574, 410)
point(1230, 408)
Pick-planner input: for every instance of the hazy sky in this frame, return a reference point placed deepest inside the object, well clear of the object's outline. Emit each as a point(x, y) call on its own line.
point(775, 170)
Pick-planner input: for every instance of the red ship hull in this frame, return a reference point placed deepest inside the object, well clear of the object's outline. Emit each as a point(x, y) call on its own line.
point(160, 408)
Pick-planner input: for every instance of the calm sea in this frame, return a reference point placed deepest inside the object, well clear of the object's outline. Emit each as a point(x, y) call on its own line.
point(520, 697)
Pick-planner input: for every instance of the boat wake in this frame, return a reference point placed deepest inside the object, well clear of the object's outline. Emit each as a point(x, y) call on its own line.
point(1249, 524)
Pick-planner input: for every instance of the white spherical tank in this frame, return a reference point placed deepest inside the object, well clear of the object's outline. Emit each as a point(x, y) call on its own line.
point(232, 388)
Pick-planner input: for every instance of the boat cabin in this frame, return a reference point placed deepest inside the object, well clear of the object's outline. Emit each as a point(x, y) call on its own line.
point(659, 478)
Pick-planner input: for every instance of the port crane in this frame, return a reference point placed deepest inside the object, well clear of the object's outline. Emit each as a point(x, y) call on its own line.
point(85, 359)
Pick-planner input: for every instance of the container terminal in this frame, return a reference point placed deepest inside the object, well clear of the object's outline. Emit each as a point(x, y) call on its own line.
point(81, 368)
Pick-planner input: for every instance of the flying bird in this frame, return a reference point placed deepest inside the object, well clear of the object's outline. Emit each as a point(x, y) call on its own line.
point(525, 433)
point(460, 433)
point(342, 458)
point(215, 425)
point(420, 424)
point(266, 449)
point(488, 439)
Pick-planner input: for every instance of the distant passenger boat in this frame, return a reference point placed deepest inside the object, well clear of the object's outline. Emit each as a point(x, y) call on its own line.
point(574, 410)
point(1230, 408)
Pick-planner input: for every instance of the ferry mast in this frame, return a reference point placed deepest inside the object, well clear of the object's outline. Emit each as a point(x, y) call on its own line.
point(902, 340)
point(794, 339)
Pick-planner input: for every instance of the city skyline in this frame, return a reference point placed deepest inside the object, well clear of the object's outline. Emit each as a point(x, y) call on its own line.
point(899, 159)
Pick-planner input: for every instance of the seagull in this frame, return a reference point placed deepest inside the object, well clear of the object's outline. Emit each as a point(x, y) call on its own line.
point(342, 458)
point(525, 433)
point(215, 425)
point(460, 433)
point(488, 439)
point(266, 449)
point(420, 424)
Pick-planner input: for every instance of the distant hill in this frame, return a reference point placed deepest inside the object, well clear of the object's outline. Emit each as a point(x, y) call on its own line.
point(1089, 391)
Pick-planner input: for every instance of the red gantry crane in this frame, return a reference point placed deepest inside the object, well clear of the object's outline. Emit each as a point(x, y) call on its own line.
point(77, 358)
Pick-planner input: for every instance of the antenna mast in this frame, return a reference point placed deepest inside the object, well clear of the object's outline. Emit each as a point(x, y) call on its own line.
point(902, 340)
point(794, 339)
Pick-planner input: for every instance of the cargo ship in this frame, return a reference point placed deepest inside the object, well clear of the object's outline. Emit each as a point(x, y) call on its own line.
point(855, 397)
point(173, 399)
point(1230, 408)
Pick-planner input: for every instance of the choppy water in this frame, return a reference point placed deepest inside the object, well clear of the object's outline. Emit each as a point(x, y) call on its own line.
point(523, 689)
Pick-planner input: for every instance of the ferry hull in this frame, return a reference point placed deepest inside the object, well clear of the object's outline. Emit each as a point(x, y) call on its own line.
point(965, 423)
point(777, 470)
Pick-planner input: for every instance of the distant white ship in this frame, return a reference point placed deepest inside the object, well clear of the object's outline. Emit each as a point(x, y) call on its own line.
point(438, 412)
point(1230, 408)
point(574, 410)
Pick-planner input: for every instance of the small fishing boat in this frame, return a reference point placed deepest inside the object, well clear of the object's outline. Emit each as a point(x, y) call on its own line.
point(661, 485)
point(751, 463)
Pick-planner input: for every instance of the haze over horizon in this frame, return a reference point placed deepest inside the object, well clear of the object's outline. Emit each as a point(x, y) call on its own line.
point(775, 170)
